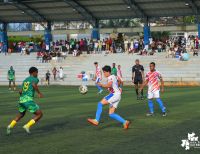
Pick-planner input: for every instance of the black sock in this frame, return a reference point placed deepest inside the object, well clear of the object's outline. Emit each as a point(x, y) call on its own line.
point(136, 90)
point(142, 93)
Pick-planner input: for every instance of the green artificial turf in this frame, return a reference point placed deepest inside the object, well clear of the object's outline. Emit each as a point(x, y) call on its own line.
point(64, 128)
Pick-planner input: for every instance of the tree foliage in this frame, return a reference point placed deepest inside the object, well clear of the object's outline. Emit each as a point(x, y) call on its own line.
point(160, 35)
point(124, 23)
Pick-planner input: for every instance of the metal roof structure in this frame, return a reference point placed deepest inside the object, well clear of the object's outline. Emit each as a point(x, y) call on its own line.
point(12, 11)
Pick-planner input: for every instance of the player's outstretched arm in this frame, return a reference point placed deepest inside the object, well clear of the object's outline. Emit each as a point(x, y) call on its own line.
point(35, 86)
point(162, 84)
point(8, 75)
point(133, 73)
point(133, 76)
point(95, 77)
point(108, 85)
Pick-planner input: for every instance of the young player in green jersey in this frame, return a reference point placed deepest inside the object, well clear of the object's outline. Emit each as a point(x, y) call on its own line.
point(11, 77)
point(26, 102)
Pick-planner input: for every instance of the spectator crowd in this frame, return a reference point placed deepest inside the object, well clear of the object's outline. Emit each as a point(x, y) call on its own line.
point(174, 47)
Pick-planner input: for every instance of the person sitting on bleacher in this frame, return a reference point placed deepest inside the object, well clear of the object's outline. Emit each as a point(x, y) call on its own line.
point(151, 53)
point(170, 52)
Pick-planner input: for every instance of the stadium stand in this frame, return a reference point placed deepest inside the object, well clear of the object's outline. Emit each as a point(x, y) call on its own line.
point(173, 70)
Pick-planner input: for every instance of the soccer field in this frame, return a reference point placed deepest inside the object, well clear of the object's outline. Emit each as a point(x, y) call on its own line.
point(64, 128)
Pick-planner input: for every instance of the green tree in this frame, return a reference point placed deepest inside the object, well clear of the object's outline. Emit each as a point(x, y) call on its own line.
point(189, 20)
point(125, 23)
point(160, 35)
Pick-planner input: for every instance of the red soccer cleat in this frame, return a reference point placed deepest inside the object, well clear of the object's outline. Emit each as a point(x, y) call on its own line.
point(93, 122)
point(127, 124)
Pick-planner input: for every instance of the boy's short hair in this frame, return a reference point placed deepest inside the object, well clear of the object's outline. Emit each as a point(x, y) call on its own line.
point(33, 69)
point(106, 68)
point(95, 63)
point(152, 63)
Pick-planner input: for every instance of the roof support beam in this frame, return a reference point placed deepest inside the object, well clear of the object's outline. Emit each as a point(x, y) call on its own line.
point(134, 6)
point(88, 16)
point(1, 21)
point(160, 2)
point(193, 6)
point(28, 10)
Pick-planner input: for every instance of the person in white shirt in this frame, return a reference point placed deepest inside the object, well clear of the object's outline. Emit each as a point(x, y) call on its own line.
point(98, 77)
point(23, 50)
point(126, 45)
point(96, 44)
point(61, 73)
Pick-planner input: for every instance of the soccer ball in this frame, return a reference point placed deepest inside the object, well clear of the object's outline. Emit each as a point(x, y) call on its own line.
point(83, 89)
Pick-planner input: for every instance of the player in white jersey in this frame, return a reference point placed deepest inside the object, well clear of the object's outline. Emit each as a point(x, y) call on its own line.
point(112, 99)
point(152, 79)
point(98, 77)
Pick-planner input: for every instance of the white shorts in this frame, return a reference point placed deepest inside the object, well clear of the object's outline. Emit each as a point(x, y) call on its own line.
point(155, 94)
point(113, 99)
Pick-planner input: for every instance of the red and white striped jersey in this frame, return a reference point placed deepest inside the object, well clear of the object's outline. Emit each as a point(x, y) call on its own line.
point(153, 81)
point(98, 72)
point(115, 87)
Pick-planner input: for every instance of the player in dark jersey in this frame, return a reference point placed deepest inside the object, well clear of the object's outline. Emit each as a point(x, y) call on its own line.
point(137, 77)
point(48, 77)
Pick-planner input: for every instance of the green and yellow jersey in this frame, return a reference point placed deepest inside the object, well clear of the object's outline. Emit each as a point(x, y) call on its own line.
point(11, 74)
point(28, 91)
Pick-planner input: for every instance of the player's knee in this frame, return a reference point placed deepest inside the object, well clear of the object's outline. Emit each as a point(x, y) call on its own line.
point(104, 101)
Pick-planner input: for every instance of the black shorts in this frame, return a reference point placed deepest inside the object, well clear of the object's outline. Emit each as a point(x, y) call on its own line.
point(12, 81)
point(138, 81)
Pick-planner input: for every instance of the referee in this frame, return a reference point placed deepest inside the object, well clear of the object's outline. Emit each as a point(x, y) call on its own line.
point(137, 78)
